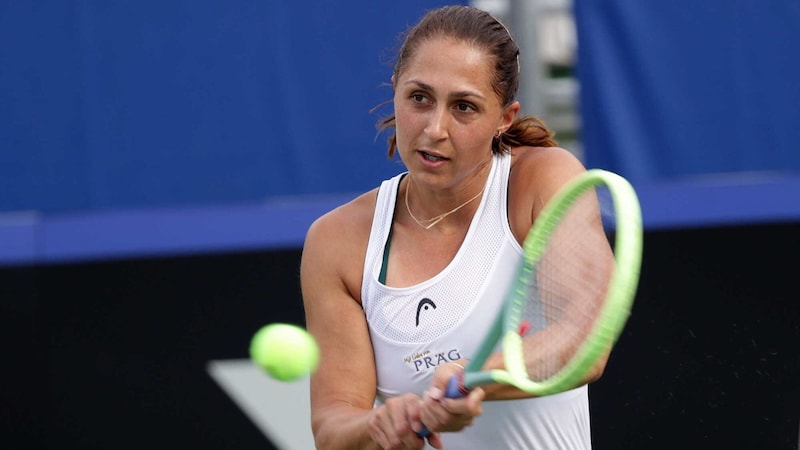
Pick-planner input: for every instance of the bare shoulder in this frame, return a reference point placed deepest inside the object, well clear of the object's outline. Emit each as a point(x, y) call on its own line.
point(336, 242)
point(542, 170)
point(350, 218)
point(345, 225)
point(537, 173)
point(545, 164)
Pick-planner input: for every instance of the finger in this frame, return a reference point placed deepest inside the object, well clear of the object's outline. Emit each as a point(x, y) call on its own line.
point(377, 427)
point(434, 415)
point(443, 374)
point(471, 405)
point(435, 441)
point(434, 394)
point(413, 441)
point(411, 424)
point(394, 420)
point(414, 417)
point(452, 414)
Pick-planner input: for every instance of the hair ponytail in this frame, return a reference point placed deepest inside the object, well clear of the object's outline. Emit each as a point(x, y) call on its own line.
point(527, 131)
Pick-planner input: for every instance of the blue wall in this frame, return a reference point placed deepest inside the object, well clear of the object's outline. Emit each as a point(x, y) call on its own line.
point(119, 105)
point(686, 88)
point(109, 105)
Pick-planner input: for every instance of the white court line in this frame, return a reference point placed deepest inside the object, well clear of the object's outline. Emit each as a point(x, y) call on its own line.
point(281, 410)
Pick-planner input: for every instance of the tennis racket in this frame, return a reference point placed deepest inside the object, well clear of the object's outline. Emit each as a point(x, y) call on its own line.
point(573, 291)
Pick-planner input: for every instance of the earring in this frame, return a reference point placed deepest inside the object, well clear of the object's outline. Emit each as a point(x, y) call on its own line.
point(497, 142)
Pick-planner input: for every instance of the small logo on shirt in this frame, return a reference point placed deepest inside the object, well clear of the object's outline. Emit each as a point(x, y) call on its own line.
point(424, 304)
point(428, 360)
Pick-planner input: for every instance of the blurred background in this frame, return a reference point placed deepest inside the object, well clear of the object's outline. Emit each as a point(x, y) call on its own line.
point(160, 163)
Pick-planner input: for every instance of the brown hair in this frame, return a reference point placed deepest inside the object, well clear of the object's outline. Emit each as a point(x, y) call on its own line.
point(482, 30)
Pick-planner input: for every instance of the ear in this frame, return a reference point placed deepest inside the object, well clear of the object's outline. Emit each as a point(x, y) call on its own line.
point(509, 114)
point(393, 81)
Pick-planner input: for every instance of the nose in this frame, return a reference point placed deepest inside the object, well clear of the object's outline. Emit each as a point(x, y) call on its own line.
point(437, 124)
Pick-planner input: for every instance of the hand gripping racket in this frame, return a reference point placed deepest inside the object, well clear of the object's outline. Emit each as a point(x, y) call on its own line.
point(573, 291)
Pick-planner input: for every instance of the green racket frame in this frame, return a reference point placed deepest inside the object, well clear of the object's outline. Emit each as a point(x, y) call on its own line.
point(613, 315)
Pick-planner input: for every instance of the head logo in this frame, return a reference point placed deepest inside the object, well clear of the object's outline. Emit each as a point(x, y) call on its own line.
point(425, 304)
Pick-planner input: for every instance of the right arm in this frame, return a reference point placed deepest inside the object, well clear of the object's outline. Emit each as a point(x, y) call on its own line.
point(344, 385)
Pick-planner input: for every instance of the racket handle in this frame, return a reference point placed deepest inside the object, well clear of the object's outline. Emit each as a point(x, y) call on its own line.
point(455, 387)
point(454, 390)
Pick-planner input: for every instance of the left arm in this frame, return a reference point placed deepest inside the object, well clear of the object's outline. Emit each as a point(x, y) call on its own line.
point(537, 174)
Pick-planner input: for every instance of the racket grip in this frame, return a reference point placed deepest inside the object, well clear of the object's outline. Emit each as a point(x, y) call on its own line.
point(454, 390)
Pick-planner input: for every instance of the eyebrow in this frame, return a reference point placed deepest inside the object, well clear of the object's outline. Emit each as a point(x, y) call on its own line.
point(459, 94)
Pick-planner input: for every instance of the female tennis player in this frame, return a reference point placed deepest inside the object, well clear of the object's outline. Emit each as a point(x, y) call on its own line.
point(400, 284)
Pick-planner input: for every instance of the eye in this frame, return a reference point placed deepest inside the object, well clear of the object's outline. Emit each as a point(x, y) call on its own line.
point(418, 97)
point(465, 107)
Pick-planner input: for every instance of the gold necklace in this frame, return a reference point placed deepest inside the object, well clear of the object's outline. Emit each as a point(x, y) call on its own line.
point(434, 220)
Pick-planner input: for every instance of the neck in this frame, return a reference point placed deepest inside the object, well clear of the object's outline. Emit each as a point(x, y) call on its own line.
point(431, 222)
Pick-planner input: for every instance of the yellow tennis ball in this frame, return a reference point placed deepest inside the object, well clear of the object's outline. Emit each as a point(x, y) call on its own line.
point(286, 352)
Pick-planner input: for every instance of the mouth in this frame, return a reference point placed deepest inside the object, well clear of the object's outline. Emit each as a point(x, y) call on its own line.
point(432, 157)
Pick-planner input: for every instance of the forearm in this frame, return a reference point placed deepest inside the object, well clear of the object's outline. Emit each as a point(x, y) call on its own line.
point(540, 353)
point(343, 428)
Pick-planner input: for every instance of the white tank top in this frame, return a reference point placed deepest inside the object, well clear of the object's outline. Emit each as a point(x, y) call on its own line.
point(443, 319)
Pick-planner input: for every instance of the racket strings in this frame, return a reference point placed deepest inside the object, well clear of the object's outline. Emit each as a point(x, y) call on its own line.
point(566, 293)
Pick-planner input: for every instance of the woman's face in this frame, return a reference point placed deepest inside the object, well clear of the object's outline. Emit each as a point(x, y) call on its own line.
point(446, 112)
